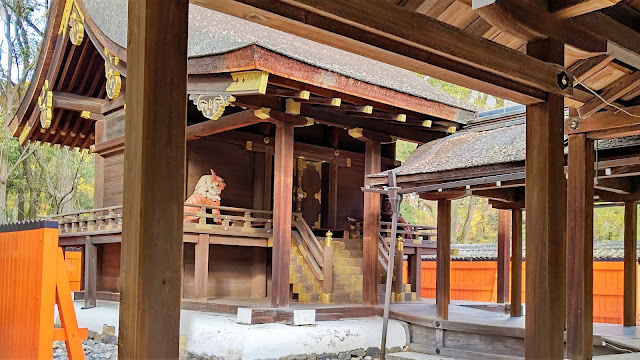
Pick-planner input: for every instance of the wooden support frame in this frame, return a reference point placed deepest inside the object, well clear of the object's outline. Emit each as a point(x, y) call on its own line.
point(154, 161)
point(630, 303)
point(580, 193)
point(544, 196)
point(371, 226)
point(502, 295)
point(415, 272)
point(516, 262)
point(282, 208)
point(201, 267)
point(443, 260)
point(90, 273)
point(413, 41)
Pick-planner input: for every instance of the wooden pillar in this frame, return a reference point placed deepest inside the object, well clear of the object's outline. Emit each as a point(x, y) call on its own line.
point(443, 259)
point(282, 203)
point(90, 273)
point(580, 247)
point(154, 191)
point(332, 206)
point(371, 227)
point(503, 256)
point(201, 267)
point(516, 262)
point(98, 188)
point(415, 272)
point(545, 207)
point(398, 283)
point(630, 316)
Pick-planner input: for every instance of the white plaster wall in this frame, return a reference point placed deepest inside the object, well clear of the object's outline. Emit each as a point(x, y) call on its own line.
point(219, 335)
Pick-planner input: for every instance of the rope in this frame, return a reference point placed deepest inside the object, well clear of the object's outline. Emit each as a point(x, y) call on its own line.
point(604, 101)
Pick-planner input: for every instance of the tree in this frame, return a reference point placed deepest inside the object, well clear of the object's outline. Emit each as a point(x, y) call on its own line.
point(22, 34)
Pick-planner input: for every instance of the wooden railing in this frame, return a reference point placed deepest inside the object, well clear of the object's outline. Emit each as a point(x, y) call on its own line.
point(220, 220)
point(411, 233)
point(104, 219)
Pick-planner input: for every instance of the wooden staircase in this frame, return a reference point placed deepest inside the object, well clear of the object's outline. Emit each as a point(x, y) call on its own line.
point(347, 273)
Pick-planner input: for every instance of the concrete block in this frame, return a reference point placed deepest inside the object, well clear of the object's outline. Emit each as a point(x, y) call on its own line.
point(304, 317)
point(244, 316)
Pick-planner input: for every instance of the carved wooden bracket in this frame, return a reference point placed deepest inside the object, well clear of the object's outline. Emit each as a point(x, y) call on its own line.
point(212, 106)
point(45, 103)
point(74, 19)
point(111, 72)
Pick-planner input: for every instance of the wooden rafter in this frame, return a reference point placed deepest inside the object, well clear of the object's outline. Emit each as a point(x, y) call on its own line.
point(225, 123)
point(391, 34)
point(564, 9)
point(610, 94)
point(75, 102)
point(605, 124)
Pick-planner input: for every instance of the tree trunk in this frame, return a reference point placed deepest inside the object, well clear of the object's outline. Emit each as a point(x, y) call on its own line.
point(21, 208)
point(4, 165)
point(467, 222)
point(32, 213)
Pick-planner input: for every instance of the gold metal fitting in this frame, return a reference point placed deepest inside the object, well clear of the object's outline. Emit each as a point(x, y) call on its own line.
point(328, 240)
point(399, 243)
point(326, 298)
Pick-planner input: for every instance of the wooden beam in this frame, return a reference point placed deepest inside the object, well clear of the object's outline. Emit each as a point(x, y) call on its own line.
point(444, 195)
point(506, 205)
point(509, 194)
point(150, 272)
point(611, 93)
point(545, 219)
point(371, 227)
point(90, 273)
point(366, 135)
point(413, 41)
point(617, 185)
point(295, 120)
point(443, 260)
point(226, 123)
point(602, 121)
point(201, 268)
point(516, 262)
point(504, 241)
point(630, 302)
point(584, 68)
point(623, 43)
point(530, 23)
point(253, 82)
point(67, 101)
point(565, 9)
point(282, 207)
point(580, 247)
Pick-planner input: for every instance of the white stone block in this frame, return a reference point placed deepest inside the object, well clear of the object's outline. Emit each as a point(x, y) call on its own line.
point(244, 316)
point(304, 317)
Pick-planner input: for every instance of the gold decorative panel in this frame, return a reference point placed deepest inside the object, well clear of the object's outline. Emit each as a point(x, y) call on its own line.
point(111, 72)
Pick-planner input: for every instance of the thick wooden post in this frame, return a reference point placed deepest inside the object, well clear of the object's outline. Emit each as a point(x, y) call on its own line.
point(503, 256)
point(516, 262)
point(201, 267)
point(545, 207)
point(415, 272)
point(90, 273)
point(371, 227)
point(580, 247)
point(630, 316)
point(154, 191)
point(282, 203)
point(443, 263)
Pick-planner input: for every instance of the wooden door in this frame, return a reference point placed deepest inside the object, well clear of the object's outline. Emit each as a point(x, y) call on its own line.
point(307, 194)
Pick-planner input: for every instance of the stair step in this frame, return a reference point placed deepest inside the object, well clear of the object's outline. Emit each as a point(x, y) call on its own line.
point(409, 355)
point(347, 270)
point(349, 279)
point(306, 288)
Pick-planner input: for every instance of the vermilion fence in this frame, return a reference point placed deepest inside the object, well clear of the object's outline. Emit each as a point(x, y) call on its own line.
point(73, 259)
point(33, 279)
point(477, 281)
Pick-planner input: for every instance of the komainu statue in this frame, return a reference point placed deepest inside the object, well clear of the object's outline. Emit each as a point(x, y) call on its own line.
point(207, 192)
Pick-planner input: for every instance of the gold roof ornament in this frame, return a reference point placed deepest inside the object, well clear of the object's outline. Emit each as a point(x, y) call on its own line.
point(111, 72)
point(73, 19)
point(45, 103)
point(212, 106)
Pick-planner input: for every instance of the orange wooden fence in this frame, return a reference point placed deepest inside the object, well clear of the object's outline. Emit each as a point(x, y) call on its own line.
point(73, 260)
point(33, 279)
point(477, 281)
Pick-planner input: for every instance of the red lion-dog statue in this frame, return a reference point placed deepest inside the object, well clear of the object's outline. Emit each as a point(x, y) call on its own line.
point(207, 192)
